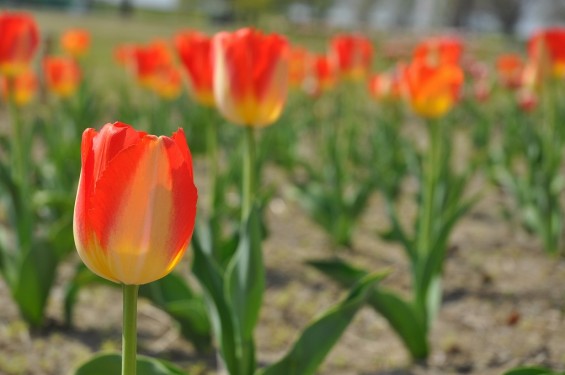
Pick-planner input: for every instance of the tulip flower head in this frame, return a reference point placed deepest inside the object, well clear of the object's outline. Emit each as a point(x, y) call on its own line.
point(62, 75)
point(299, 59)
point(510, 68)
point(432, 90)
point(353, 55)
point(167, 83)
point(147, 60)
point(136, 203)
point(76, 42)
point(439, 50)
point(19, 39)
point(250, 76)
point(385, 87)
point(546, 50)
point(195, 52)
point(20, 89)
point(321, 75)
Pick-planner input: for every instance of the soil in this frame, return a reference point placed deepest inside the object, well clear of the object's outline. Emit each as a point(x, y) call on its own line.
point(503, 305)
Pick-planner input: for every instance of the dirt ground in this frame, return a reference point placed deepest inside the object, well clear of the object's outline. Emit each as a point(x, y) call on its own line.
point(504, 303)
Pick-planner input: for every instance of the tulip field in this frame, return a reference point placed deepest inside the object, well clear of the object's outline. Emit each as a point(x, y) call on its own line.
point(182, 198)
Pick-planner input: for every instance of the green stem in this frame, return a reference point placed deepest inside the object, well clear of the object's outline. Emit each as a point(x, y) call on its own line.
point(129, 335)
point(249, 182)
point(212, 140)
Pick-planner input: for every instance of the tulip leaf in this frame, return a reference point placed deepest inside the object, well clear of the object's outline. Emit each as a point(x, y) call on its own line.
point(400, 314)
point(320, 336)
point(531, 371)
point(245, 276)
point(112, 364)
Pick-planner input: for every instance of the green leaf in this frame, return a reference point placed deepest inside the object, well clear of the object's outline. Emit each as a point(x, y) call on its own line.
point(530, 371)
point(245, 277)
point(112, 364)
point(400, 314)
point(319, 337)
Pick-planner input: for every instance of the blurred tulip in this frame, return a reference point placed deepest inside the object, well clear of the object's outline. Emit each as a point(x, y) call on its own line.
point(510, 68)
point(353, 55)
point(148, 59)
point(385, 87)
point(481, 90)
point(546, 50)
point(298, 66)
point(19, 39)
point(20, 89)
point(432, 90)
point(250, 76)
point(527, 99)
point(124, 54)
point(62, 75)
point(76, 42)
point(195, 52)
point(321, 75)
point(167, 83)
point(439, 50)
point(136, 203)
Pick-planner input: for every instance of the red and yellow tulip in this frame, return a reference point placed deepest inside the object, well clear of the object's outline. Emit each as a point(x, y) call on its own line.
point(353, 55)
point(20, 89)
point(321, 75)
point(385, 87)
point(19, 40)
point(195, 52)
point(62, 75)
point(509, 68)
point(167, 82)
point(546, 50)
point(432, 90)
point(75, 42)
point(439, 50)
point(136, 203)
point(250, 76)
point(148, 59)
point(299, 59)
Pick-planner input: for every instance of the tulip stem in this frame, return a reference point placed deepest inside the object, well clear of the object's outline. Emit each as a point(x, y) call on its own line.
point(248, 173)
point(129, 332)
point(213, 158)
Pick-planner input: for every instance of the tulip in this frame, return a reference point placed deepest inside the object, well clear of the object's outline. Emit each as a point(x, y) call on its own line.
point(195, 52)
point(20, 89)
point(250, 76)
point(19, 39)
point(167, 83)
point(76, 42)
point(136, 203)
point(298, 66)
point(62, 75)
point(385, 87)
point(509, 68)
point(148, 60)
point(432, 90)
point(353, 55)
point(321, 75)
point(546, 50)
point(439, 50)
point(124, 55)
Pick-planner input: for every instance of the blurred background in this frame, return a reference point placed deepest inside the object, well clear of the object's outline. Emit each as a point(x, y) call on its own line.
point(513, 17)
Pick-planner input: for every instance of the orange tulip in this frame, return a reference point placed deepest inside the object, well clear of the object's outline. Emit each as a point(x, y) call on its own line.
point(62, 75)
point(546, 50)
point(385, 87)
point(352, 54)
point(321, 75)
point(298, 66)
point(19, 39)
point(509, 68)
point(250, 76)
point(167, 83)
point(136, 203)
point(439, 50)
point(195, 52)
point(432, 90)
point(149, 59)
point(124, 55)
point(20, 89)
point(76, 42)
